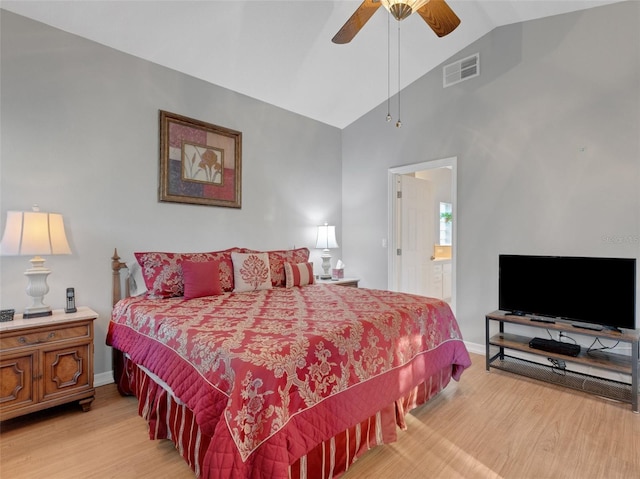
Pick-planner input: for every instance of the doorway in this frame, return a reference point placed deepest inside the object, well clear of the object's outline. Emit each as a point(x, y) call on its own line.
point(422, 213)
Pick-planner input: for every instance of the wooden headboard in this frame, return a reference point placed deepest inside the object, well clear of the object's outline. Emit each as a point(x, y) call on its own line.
point(116, 280)
point(117, 357)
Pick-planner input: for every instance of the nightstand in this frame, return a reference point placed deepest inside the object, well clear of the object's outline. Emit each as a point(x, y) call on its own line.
point(353, 282)
point(46, 361)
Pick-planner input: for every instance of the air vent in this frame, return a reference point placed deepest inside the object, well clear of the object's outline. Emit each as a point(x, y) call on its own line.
point(461, 70)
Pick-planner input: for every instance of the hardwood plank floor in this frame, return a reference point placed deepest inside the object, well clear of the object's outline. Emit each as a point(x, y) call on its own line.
point(490, 425)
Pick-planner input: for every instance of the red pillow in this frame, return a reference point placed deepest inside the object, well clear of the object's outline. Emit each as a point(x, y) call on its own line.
point(163, 275)
point(201, 279)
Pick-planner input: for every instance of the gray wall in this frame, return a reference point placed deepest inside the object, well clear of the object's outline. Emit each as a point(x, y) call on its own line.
point(79, 136)
point(547, 141)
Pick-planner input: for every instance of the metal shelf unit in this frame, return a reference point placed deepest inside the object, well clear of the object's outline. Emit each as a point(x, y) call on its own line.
point(618, 363)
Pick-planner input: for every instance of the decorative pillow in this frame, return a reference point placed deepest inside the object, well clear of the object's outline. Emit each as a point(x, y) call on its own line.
point(201, 278)
point(251, 271)
point(300, 274)
point(162, 272)
point(278, 258)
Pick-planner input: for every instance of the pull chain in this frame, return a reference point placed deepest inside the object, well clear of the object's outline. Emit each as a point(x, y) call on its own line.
point(399, 123)
point(389, 68)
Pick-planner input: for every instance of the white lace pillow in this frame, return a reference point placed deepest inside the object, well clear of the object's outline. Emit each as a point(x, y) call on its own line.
point(251, 271)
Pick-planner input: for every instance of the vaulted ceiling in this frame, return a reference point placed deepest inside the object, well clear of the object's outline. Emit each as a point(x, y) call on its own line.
point(281, 51)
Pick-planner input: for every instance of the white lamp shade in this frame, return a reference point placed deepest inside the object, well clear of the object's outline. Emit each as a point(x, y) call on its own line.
point(34, 233)
point(326, 237)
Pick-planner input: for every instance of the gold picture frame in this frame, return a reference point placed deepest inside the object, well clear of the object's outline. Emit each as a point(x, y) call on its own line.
point(200, 163)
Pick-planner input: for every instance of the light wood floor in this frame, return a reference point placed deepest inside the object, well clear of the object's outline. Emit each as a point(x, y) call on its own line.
point(489, 425)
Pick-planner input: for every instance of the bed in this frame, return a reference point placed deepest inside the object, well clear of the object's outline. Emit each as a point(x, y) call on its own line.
point(267, 374)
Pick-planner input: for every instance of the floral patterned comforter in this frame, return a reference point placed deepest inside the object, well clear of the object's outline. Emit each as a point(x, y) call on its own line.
point(271, 373)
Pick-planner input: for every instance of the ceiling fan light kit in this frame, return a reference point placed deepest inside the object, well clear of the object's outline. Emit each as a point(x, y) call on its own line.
point(401, 10)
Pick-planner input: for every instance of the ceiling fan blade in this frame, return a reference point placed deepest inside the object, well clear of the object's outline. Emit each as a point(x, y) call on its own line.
point(439, 17)
point(356, 21)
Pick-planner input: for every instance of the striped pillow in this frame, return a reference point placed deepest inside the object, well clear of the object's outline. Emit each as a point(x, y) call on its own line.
point(299, 274)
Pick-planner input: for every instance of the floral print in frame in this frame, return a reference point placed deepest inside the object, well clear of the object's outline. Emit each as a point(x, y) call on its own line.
point(200, 163)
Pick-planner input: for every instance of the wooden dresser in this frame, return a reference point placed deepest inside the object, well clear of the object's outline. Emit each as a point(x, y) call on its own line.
point(46, 361)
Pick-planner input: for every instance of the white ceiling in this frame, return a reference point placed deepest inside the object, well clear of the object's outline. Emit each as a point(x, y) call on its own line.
point(281, 51)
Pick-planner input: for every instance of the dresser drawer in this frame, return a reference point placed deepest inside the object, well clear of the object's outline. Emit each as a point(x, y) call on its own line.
point(43, 336)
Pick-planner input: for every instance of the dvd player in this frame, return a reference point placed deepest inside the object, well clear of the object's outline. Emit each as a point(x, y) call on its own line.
point(553, 346)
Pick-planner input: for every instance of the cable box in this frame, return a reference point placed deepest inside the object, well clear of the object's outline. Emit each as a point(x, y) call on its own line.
point(553, 346)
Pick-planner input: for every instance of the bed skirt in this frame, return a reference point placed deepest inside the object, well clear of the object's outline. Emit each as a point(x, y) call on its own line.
point(168, 418)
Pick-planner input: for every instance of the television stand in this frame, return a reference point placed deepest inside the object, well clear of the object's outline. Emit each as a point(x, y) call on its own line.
point(592, 327)
point(503, 342)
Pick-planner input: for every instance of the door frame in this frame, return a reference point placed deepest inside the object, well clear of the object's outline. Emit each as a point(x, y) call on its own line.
point(451, 162)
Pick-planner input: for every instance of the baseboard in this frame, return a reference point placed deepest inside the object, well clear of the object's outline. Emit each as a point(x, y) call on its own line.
point(101, 379)
point(475, 348)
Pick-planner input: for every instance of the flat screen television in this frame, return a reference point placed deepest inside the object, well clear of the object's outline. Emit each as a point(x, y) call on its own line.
point(589, 290)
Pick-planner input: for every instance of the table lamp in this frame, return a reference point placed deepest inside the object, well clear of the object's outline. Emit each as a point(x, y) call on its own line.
point(35, 233)
point(326, 240)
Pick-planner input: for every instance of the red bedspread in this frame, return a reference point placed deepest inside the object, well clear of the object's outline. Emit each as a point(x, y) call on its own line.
point(270, 374)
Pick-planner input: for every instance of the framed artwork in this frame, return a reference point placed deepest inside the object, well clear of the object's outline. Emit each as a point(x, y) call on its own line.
point(200, 163)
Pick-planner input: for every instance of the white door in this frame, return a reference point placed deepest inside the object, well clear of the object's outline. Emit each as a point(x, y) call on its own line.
point(415, 206)
point(420, 267)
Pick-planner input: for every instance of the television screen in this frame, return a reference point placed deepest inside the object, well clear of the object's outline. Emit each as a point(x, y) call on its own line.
point(599, 291)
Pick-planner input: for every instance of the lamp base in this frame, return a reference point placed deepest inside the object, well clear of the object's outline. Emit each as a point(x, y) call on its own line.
point(326, 264)
point(37, 287)
point(27, 315)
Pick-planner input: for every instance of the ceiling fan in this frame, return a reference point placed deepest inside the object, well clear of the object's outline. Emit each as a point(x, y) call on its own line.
point(436, 13)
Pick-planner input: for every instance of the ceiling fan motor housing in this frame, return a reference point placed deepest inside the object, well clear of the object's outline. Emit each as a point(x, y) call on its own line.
point(436, 13)
point(400, 11)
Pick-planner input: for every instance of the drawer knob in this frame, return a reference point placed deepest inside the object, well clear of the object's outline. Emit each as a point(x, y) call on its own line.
point(23, 340)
